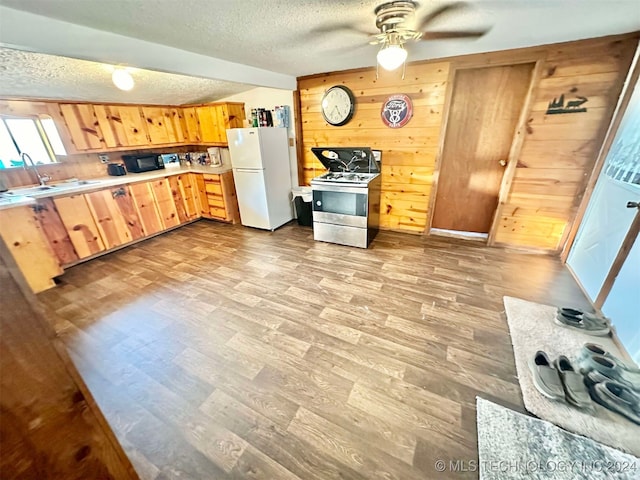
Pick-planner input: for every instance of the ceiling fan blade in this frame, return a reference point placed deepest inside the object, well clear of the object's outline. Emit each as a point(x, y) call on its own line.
point(452, 35)
point(452, 7)
point(339, 27)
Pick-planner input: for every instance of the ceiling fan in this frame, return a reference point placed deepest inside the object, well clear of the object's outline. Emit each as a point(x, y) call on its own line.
point(397, 25)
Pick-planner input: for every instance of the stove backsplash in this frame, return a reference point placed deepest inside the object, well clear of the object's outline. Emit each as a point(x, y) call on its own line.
point(348, 159)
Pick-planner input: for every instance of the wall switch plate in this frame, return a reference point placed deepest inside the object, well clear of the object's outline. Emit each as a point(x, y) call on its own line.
point(104, 158)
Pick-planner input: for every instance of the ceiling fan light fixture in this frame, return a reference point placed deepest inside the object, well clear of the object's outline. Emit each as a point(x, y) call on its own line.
point(122, 79)
point(391, 56)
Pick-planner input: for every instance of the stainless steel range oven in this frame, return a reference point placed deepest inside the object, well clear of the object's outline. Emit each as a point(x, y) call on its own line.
point(346, 201)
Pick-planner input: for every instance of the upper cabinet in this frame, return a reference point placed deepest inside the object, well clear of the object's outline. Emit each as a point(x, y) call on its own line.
point(99, 127)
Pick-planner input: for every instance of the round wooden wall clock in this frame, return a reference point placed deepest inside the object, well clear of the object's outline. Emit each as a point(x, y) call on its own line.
point(396, 111)
point(338, 104)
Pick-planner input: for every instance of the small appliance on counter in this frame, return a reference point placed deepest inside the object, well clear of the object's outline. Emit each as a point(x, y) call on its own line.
point(143, 163)
point(215, 157)
point(170, 160)
point(116, 169)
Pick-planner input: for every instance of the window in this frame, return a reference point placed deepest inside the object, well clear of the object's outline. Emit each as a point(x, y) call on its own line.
point(37, 137)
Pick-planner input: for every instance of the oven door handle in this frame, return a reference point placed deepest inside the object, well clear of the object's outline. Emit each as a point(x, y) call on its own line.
point(339, 187)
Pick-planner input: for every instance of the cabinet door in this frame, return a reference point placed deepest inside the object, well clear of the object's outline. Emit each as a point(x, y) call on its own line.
point(178, 199)
point(55, 231)
point(232, 212)
point(157, 125)
point(80, 225)
point(82, 125)
point(175, 125)
point(208, 120)
point(201, 189)
point(165, 203)
point(189, 191)
point(134, 127)
point(234, 118)
point(110, 123)
point(146, 207)
point(191, 125)
point(25, 239)
point(115, 216)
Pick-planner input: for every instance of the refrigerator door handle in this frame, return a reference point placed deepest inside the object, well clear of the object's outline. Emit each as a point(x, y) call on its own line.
point(248, 170)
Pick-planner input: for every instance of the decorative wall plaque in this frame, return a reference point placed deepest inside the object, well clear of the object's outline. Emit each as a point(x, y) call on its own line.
point(396, 111)
point(573, 106)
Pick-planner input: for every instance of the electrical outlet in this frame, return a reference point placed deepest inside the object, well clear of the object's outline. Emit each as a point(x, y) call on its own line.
point(104, 158)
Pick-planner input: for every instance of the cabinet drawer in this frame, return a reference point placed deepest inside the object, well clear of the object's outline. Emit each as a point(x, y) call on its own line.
point(215, 201)
point(211, 178)
point(218, 212)
point(213, 188)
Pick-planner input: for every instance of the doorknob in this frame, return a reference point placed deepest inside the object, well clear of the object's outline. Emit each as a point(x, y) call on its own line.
point(503, 163)
point(633, 204)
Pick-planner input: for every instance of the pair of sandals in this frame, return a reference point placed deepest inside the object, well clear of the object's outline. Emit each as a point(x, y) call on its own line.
point(589, 323)
point(559, 380)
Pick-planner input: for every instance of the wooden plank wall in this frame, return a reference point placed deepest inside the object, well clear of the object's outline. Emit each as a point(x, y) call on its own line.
point(557, 155)
point(408, 153)
point(559, 151)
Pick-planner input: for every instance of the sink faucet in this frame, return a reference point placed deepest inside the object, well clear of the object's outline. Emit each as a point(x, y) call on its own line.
point(42, 179)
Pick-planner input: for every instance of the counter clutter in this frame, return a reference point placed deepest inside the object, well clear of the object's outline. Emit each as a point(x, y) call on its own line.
point(49, 228)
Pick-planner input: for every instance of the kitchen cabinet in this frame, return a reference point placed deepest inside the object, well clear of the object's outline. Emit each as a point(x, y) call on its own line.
point(80, 225)
point(165, 203)
point(25, 239)
point(161, 125)
point(220, 193)
point(83, 126)
point(192, 128)
point(215, 119)
point(184, 195)
point(54, 231)
point(145, 204)
point(115, 216)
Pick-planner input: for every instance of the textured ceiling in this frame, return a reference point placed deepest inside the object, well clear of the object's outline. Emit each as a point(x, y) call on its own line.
point(36, 75)
point(292, 36)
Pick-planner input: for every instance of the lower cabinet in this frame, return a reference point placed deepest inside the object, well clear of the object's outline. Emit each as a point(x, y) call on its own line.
point(145, 204)
point(220, 193)
point(61, 231)
point(24, 236)
point(80, 225)
point(115, 216)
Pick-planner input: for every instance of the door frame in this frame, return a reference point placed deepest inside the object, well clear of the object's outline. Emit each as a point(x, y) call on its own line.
point(516, 143)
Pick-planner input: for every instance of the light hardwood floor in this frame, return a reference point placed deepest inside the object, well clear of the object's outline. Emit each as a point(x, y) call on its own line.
point(222, 352)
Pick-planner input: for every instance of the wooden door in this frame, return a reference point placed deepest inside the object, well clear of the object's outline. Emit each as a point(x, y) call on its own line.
point(483, 117)
point(80, 225)
point(190, 124)
point(146, 207)
point(189, 191)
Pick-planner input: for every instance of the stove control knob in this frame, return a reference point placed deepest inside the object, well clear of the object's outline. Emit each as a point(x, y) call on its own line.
point(319, 203)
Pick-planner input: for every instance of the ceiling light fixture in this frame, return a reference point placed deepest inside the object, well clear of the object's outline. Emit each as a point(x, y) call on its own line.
point(122, 79)
point(391, 55)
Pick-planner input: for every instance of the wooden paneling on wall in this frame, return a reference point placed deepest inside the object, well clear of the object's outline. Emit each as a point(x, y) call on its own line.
point(558, 151)
point(408, 153)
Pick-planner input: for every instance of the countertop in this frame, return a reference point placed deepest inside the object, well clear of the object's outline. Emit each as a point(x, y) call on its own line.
point(18, 197)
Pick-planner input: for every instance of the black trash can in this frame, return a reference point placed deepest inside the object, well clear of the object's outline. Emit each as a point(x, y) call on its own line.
point(302, 198)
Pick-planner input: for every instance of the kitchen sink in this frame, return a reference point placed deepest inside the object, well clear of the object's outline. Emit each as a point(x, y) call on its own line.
point(43, 190)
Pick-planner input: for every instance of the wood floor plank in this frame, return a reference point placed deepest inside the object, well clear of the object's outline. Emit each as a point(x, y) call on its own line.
point(218, 351)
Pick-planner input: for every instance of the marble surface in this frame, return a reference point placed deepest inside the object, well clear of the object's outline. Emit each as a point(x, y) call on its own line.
point(18, 197)
point(512, 445)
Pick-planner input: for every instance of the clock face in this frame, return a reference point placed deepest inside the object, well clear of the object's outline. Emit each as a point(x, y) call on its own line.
point(337, 105)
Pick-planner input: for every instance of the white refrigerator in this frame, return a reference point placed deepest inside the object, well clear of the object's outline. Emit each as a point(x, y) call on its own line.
point(261, 172)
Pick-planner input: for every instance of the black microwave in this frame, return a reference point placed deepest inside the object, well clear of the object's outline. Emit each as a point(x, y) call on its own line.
point(143, 163)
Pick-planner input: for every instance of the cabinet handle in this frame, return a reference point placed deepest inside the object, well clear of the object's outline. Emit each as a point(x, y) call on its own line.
point(119, 192)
